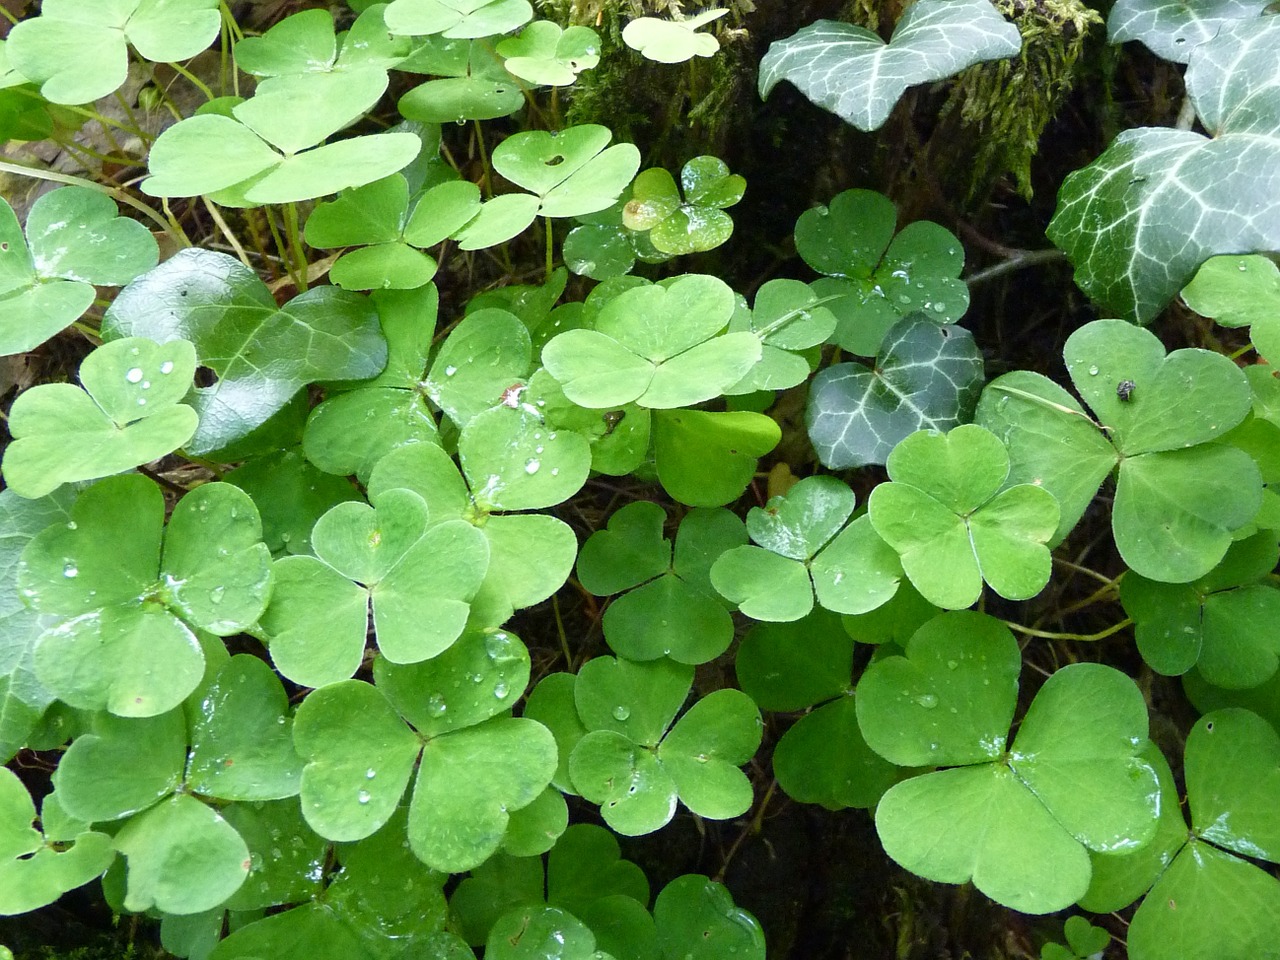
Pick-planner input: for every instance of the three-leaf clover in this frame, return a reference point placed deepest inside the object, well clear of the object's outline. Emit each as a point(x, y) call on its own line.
point(659, 345)
point(874, 278)
point(1179, 495)
point(695, 224)
point(805, 544)
point(127, 413)
point(706, 458)
point(361, 743)
point(262, 353)
point(456, 19)
point(122, 610)
point(664, 611)
point(635, 764)
point(850, 71)
point(78, 50)
point(1017, 820)
point(74, 241)
point(955, 523)
point(926, 377)
point(1240, 292)
point(546, 53)
point(473, 85)
point(673, 41)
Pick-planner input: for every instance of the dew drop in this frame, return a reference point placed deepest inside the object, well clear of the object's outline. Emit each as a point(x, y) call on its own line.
point(142, 401)
point(927, 700)
point(952, 664)
point(166, 367)
point(450, 370)
point(134, 374)
point(216, 594)
point(70, 570)
point(436, 705)
point(370, 773)
point(500, 689)
point(621, 713)
point(1093, 371)
point(532, 467)
point(364, 796)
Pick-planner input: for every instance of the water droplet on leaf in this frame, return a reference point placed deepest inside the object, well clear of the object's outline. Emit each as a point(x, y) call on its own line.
point(134, 374)
point(621, 713)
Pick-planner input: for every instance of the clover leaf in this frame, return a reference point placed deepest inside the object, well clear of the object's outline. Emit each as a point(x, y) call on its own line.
point(956, 525)
point(662, 613)
point(524, 934)
point(474, 84)
point(456, 19)
point(1174, 30)
point(459, 812)
point(1129, 221)
point(545, 53)
point(635, 764)
point(380, 216)
point(857, 76)
point(822, 758)
point(926, 377)
point(673, 41)
point(115, 640)
point(1179, 496)
point(697, 918)
point(570, 172)
point(800, 534)
point(33, 871)
point(127, 413)
point(874, 278)
point(693, 225)
point(1016, 822)
point(480, 365)
point(705, 458)
point(657, 345)
point(74, 240)
point(78, 49)
point(306, 42)
point(1224, 623)
point(262, 353)
point(1084, 940)
point(1206, 899)
point(1238, 292)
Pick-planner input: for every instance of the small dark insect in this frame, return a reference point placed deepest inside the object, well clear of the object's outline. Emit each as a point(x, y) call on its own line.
point(1124, 389)
point(612, 419)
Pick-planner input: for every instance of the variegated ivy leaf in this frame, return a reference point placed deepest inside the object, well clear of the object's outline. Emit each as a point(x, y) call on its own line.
point(1140, 219)
point(853, 73)
point(1173, 28)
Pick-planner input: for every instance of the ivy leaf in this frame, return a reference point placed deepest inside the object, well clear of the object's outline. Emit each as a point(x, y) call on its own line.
point(545, 53)
point(78, 49)
point(74, 241)
point(183, 857)
point(926, 377)
point(952, 524)
point(857, 76)
point(1148, 184)
point(874, 278)
point(1171, 29)
point(263, 354)
point(706, 459)
point(672, 41)
point(127, 413)
point(456, 19)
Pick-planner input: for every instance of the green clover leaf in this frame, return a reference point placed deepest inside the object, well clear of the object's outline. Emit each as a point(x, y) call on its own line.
point(954, 523)
point(474, 86)
point(697, 918)
point(78, 50)
point(263, 354)
point(926, 377)
point(127, 413)
point(1017, 822)
point(1238, 292)
point(115, 641)
point(857, 76)
point(706, 459)
point(546, 54)
point(673, 41)
point(874, 278)
point(1179, 495)
point(699, 222)
point(74, 241)
point(662, 613)
point(456, 19)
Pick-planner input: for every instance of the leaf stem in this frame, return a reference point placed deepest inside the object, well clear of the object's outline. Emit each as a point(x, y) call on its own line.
point(217, 218)
point(193, 80)
point(550, 240)
point(485, 181)
point(1080, 637)
point(298, 256)
point(116, 193)
point(1030, 258)
point(564, 639)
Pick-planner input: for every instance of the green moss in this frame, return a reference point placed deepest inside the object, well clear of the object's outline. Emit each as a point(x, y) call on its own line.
point(1007, 104)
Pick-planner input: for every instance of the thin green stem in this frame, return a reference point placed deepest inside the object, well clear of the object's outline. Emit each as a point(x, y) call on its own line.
point(486, 181)
point(1030, 258)
point(1042, 401)
point(11, 17)
point(115, 193)
point(281, 250)
point(1079, 637)
point(793, 314)
point(550, 240)
point(194, 80)
point(564, 639)
point(297, 255)
point(174, 225)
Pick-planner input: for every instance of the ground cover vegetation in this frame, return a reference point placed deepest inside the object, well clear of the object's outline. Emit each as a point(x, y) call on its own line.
point(564, 483)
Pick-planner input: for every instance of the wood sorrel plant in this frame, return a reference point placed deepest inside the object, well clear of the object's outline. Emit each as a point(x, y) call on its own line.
point(263, 560)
